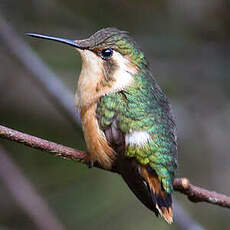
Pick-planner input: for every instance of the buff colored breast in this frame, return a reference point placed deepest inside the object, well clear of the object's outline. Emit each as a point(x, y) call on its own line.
point(97, 144)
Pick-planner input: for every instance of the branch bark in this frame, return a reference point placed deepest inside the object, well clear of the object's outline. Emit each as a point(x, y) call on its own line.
point(198, 194)
point(194, 193)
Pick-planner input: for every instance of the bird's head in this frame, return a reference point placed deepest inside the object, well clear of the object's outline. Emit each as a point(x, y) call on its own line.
point(110, 59)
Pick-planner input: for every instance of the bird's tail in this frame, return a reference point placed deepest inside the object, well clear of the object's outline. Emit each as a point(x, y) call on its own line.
point(161, 199)
point(147, 187)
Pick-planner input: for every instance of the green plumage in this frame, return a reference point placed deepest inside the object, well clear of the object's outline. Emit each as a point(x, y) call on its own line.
point(137, 122)
point(144, 107)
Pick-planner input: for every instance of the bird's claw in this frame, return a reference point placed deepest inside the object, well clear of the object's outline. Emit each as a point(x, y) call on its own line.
point(91, 164)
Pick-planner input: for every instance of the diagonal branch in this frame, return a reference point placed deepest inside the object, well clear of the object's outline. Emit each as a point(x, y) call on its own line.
point(38, 143)
point(198, 194)
point(194, 193)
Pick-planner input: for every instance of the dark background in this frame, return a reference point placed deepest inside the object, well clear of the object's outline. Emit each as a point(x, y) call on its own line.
point(187, 45)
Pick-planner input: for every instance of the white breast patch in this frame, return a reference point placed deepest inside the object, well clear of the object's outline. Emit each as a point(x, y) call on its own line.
point(139, 138)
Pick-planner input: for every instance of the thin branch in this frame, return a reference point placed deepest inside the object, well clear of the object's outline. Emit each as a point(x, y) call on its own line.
point(198, 194)
point(25, 195)
point(38, 143)
point(194, 193)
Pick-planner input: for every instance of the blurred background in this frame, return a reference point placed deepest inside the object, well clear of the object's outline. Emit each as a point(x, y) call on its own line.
point(187, 45)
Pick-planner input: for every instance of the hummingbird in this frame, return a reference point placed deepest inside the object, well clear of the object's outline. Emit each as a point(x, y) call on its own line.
point(127, 121)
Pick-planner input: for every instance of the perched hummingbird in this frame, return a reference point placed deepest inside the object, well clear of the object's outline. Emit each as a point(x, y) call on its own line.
point(127, 120)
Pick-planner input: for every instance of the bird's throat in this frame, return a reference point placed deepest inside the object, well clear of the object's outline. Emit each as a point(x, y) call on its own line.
point(99, 77)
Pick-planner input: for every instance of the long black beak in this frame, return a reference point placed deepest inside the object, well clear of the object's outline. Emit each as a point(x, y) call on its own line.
point(62, 40)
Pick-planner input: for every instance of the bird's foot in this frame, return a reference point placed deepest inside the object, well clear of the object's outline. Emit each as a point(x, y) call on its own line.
point(91, 164)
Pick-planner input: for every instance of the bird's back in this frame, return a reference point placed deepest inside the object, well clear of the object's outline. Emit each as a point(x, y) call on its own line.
point(139, 125)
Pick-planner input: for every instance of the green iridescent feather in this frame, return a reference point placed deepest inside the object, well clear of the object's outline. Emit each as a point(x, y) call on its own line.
point(142, 107)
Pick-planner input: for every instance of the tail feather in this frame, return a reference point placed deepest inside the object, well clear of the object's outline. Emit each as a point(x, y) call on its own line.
point(146, 186)
point(162, 199)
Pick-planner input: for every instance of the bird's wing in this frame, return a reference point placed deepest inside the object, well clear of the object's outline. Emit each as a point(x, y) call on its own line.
point(147, 171)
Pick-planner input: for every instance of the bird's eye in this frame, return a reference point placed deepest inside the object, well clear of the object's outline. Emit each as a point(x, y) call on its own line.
point(106, 53)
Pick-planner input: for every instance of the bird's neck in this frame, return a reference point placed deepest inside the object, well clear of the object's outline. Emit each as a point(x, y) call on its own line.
point(94, 81)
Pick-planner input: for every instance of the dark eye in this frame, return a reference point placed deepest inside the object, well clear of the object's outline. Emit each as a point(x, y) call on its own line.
point(106, 53)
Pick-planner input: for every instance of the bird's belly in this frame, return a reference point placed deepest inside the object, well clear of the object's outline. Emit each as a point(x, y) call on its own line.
point(98, 147)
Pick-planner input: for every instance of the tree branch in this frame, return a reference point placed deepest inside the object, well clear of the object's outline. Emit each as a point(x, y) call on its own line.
point(194, 193)
point(198, 194)
point(38, 143)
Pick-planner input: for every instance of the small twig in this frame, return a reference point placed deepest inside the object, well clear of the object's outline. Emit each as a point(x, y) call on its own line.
point(198, 194)
point(38, 143)
point(194, 193)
